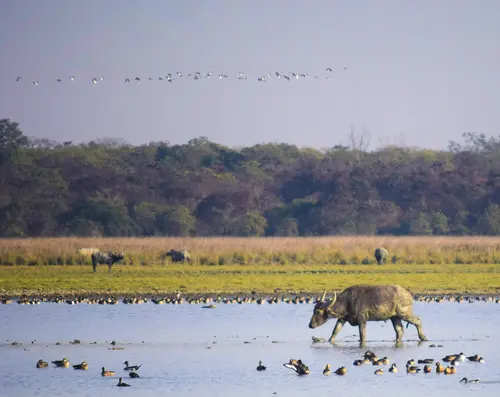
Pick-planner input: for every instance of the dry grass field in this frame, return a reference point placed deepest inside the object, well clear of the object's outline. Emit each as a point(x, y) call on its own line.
point(240, 265)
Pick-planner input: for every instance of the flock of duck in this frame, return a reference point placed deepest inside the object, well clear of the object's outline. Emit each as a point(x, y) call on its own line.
point(210, 301)
point(170, 77)
point(64, 363)
point(412, 366)
point(297, 365)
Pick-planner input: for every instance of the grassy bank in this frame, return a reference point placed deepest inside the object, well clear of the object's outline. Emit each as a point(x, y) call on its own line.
point(68, 280)
point(237, 265)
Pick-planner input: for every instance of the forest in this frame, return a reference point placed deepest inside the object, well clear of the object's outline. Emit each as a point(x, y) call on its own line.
point(111, 188)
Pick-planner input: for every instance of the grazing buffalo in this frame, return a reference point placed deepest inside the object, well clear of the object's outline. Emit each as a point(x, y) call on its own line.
point(361, 303)
point(87, 251)
point(106, 258)
point(179, 256)
point(381, 255)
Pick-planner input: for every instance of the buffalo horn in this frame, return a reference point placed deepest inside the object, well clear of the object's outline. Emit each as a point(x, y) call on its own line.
point(333, 301)
point(324, 296)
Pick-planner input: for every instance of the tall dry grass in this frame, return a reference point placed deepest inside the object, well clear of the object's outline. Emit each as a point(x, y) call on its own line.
point(242, 251)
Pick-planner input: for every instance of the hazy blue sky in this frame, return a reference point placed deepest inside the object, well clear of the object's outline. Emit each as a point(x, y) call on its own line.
point(426, 69)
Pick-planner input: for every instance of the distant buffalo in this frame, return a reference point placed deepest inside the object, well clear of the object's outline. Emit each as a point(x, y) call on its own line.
point(87, 251)
point(179, 256)
point(106, 258)
point(381, 255)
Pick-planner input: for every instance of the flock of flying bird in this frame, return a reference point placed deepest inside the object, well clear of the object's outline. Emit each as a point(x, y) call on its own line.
point(170, 77)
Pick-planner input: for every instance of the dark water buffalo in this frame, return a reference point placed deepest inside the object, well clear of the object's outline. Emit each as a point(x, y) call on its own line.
point(106, 258)
point(179, 256)
point(381, 255)
point(361, 303)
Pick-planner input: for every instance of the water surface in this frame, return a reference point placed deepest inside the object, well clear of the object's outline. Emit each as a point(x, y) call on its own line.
point(186, 350)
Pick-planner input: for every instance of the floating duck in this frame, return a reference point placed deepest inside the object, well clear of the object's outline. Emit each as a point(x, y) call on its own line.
point(122, 384)
point(341, 371)
point(64, 363)
point(394, 368)
point(83, 366)
point(427, 368)
point(131, 367)
point(133, 374)
point(42, 364)
point(298, 366)
point(439, 368)
point(412, 369)
point(379, 371)
point(327, 370)
point(261, 367)
point(107, 373)
point(450, 370)
point(466, 380)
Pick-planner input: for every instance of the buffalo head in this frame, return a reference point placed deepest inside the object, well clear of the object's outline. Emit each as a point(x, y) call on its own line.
point(117, 256)
point(322, 311)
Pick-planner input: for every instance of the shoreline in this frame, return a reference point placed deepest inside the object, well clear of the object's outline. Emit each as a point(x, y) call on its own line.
point(188, 296)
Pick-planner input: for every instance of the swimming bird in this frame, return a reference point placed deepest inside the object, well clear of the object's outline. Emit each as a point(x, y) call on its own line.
point(327, 370)
point(122, 384)
point(466, 380)
point(450, 370)
point(384, 361)
point(439, 368)
point(426, 361)
point(83, 366)
point(59, 80)
point(394, 368)
point(64, 363)
point(412, 369)
point(19, 78)
point(133, 374)
point(72, 78)
point(358, 363)
point(427, 368)
point(317, 340)
point(131, 367)
point(341, 371)
point(379, 371)
point(460, 357)
point(35, 82)
point(107, 373)
point(298, 366)
point(411, 362)
point(261, 367)
point(42, 364)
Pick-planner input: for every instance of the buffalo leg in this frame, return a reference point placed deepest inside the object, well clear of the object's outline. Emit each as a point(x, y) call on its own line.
point(336, 329)
point(418, 325)
point(109, 268)
point(362, 328)
point(398, 327)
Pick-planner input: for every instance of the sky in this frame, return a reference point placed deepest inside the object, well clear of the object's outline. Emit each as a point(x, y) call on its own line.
point(414, 73)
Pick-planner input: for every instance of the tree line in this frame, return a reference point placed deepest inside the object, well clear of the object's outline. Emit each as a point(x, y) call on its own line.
point(111, 188)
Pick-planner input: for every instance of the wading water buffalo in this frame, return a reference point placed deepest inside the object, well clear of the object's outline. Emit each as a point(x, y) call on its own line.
point(179, 256)
point(361, 303)
point(106, 258)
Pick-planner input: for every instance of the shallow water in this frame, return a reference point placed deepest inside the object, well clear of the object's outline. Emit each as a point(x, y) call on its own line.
point(189, 351)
